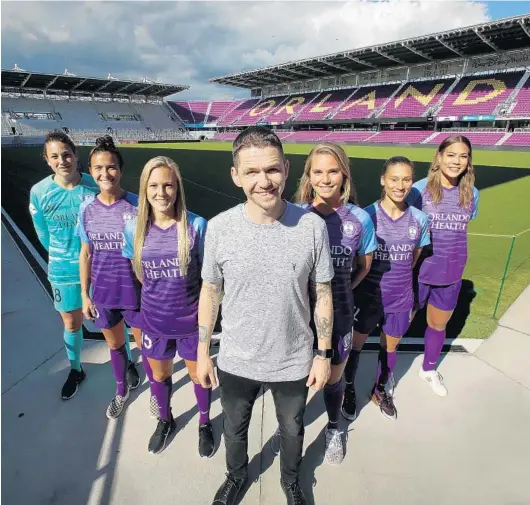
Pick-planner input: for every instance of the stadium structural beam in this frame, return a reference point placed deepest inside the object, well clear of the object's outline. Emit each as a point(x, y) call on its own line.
point(280, 76)
point(417, 51)
point(485, 40)
point(525, 29)
point(325, 72)
point(334, 65)
point(78, 84)
point(121, 90)
point(24, 82)
point(104, 86)
point(144, 89)
point(385, 55)
point(360, 62)
point(450, 47)
point(297, 72)
point(51, 83)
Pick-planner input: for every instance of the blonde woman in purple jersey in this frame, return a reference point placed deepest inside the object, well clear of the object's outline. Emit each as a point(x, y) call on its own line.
point(326, 189)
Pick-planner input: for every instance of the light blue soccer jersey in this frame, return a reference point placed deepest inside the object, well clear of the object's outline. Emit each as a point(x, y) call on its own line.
point(54, 211)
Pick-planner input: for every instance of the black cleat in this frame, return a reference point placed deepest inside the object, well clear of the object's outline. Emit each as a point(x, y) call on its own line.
point(133, 378)
point(158, 440)
point(71, 385)
point(294, 493)
point(349, 403)
point(206, 443)
point(229, 490)
point(384, 401)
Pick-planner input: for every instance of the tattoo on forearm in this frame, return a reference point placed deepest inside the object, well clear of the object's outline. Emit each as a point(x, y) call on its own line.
point(203, 334)
point(324, 326)
point(321, 293)
point(214, 292)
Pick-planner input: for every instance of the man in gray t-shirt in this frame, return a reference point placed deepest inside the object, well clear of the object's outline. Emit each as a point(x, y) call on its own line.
point(266, 255)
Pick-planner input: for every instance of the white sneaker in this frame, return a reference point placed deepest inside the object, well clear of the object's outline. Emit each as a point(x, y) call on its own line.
point(334, 452)
point(115, 407)
point(435, 379)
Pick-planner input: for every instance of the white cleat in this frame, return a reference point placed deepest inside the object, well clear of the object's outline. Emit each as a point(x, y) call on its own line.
point(435, 379)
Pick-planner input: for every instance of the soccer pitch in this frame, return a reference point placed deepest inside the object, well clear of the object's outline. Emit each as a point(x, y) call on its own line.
point(503, 179)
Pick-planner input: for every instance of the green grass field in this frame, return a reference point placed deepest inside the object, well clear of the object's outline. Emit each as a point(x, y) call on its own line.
point(503, 179)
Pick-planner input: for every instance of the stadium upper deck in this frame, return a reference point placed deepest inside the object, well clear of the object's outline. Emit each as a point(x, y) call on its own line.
point(22, 81)
point(492, 38)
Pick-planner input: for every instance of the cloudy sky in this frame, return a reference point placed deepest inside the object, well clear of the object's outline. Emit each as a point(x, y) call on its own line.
point(189, 42)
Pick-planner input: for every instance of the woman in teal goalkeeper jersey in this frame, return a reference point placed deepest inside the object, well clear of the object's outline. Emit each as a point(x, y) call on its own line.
point(54, 206)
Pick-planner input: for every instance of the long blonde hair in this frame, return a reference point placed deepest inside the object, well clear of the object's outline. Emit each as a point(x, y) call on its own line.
point(306, 193)
point(145, 216)
point(466, 181)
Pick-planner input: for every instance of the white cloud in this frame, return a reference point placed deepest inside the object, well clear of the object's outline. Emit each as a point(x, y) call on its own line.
point(189, 42)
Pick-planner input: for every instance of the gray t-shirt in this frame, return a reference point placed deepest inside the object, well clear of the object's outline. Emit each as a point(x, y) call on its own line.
point(266, 269)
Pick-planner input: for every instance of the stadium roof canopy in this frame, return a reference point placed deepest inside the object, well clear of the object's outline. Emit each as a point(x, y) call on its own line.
point(22, 80)
point(488, 38)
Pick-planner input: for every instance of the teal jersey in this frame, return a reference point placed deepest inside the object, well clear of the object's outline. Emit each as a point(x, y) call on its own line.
point(54, 211)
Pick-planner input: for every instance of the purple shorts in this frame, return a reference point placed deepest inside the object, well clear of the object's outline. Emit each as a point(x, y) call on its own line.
point(441, 297)
point(162, 348)
point(108, 318)
point(369, 313)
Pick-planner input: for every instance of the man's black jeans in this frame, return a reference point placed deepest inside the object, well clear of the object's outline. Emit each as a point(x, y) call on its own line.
point(238, 395)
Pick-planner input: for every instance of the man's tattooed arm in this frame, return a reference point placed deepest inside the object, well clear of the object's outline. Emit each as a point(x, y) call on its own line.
point(209, 301)
point(323, 312)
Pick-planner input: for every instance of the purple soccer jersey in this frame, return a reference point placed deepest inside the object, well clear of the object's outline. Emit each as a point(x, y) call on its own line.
point(390, 276)
point(170, 302)
point(444, 261)
point(113, 282)
point(351, 233)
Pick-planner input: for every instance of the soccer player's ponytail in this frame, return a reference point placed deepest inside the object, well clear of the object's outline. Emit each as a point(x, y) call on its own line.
point(106, 145)
point(466, 181)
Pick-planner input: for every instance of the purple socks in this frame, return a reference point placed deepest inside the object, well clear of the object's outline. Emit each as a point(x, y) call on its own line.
point(148, 370)
point(203, 396)
point(434, 342)
point(162, 392)
point(118, 358)
point(386, 362)
point(333, 394)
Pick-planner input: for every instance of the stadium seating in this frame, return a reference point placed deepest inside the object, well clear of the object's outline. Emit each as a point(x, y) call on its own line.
point(476, 138)
point(365, 101)
point(401, 136)
point(218, 109)
point(290, 107)
point(238, 111)
point(415, 98)
point(479, 94)
point(522, 101)
point(323, 105)
point(350, 136)
point(520, 139)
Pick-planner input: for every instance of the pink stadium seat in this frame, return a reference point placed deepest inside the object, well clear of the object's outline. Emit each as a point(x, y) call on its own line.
point(476, 138)
point(479, 94)
point(522, 101)
point(518, 139)
point(365, 101)
point(415, 98)
point(401, 136)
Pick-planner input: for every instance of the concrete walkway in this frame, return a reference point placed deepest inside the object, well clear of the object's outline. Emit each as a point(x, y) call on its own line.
point(471, 447)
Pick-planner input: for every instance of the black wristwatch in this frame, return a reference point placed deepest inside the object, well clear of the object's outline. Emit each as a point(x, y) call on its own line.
point(327, 353)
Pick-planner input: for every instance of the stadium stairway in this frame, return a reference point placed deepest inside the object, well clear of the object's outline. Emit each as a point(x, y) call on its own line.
point(74, 455)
